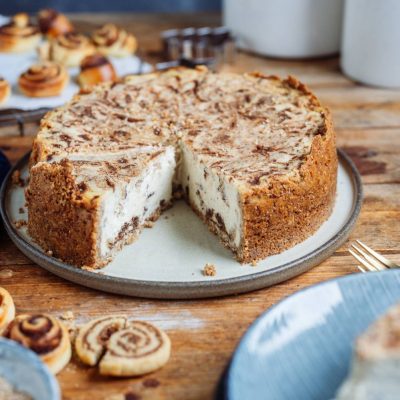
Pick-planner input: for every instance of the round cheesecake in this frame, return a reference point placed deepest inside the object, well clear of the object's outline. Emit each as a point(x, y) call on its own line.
point(253, 155)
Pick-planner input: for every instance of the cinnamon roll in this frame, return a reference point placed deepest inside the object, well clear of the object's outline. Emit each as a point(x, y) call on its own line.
point(68, 49)
point(111, 40)
point(19, 35)
point(92, 338)
point(43, 80)
point(7, 309)
point(95, 69)
point(46, 336)
point(5, 90)
point(138, 349)
point(53, 23)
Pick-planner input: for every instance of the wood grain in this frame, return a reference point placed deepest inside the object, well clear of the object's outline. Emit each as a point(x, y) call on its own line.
point(204, 333)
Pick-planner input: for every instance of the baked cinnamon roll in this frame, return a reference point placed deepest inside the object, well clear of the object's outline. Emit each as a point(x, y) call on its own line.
point(111, 40)
point(68, 49)
point(138, 349)
point(92, 338)
point(19, 35)
point(5, 90)
point(7, 309)
point(95, 69)
point(53, 23)
point(43, 80)
point(46, 336)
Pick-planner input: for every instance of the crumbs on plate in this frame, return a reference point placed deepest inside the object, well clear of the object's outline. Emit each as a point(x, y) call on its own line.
point(209, 270)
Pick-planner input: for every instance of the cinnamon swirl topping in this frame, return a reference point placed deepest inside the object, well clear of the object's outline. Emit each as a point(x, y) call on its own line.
point(114, 41)
point(53, 23)
point(7, 309)
point(138, 349)
point(45, 335)
point(43, 80)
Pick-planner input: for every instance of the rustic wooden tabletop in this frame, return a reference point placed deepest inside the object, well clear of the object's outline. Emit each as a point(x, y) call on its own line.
point(204, 333)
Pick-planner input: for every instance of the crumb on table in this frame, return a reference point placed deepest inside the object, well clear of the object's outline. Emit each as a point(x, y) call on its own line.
point(209, 270)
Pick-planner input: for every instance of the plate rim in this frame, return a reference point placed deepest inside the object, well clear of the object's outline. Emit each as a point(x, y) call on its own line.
point(226, 378)
point(185, 290)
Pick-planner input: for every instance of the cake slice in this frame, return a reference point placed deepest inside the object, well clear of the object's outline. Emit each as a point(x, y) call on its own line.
point(90, 207)
point(375, 373)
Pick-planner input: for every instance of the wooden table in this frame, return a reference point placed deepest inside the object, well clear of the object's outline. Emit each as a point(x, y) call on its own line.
point(205, 333)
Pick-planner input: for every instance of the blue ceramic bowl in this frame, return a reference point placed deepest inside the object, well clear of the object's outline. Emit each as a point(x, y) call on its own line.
point(301, 348)
point(24, 370)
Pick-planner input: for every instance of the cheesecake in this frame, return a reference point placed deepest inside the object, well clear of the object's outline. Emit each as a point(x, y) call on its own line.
point(375, 371)
point(253, 155)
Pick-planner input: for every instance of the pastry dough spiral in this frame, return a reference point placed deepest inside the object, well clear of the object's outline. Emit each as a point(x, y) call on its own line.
point(7, 309)
point(53, 23)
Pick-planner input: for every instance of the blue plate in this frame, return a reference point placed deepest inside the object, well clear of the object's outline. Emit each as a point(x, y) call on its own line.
point(301, 348)
point(26, 372)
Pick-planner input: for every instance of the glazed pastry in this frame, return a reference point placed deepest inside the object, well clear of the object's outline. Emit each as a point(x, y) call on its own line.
point(7, 309)
point(95, 69)
point(68, 49)
point(43, 80)
point(53, 23)
point(19, 35)
point(113, 41)
point(92, 338)
point(5, 91)
point(138, 349)
point(46, 336)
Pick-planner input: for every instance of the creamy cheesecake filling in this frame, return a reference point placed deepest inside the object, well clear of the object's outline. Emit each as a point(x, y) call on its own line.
point(125, 209)
point(212, 196)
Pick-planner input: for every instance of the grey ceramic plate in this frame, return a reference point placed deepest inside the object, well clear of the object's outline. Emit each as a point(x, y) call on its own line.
point(301, 348)
point(166, 261)
point(25, 371)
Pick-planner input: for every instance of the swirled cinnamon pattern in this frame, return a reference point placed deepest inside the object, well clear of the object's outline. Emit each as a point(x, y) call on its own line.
point(19, 35)
point(95, 69)
point(92, 337)
point(70, 49)
point(45, 335)
point(43, 80)
point(137, 349)
point(7, 309)
point(53, 23)
point(111, 40)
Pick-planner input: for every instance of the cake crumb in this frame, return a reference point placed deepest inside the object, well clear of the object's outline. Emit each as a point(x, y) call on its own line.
point(148, 224)
point(254, 263)
point(209, 270)
point(49, 253)
point(21, 210)
point(20, 223)
point(16, 178)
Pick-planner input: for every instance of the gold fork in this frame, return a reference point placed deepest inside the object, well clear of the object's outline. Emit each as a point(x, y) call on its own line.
point(370, 259)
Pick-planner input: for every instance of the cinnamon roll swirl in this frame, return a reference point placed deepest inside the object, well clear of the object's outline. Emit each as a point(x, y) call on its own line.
point(43, 80)
point(7, 309)
point(95, 69)
point(111, 40)
point(92, 338)
point(46, 336)
point(53, 23)
point(5, 90)
point(138, 349)
point(68, 49)
point(19, 35)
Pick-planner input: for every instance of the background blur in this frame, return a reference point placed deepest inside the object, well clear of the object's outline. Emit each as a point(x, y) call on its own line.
point(168, 6)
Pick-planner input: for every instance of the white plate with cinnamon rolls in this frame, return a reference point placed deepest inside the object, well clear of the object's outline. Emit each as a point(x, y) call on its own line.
point(44, 61)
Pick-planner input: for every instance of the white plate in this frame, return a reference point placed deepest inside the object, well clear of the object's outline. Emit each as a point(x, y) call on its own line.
point(167, 260)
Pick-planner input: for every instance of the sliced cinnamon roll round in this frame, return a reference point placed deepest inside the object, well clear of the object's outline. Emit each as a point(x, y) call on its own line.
point(95, 69)
point(53, 23)
point(43, 80)
point(5, 90)
point(7, 309)
point(92, 338)
point(45, 335)
point(68, 49)
point(111, 40)
point(138, 349)
point(19, 35)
